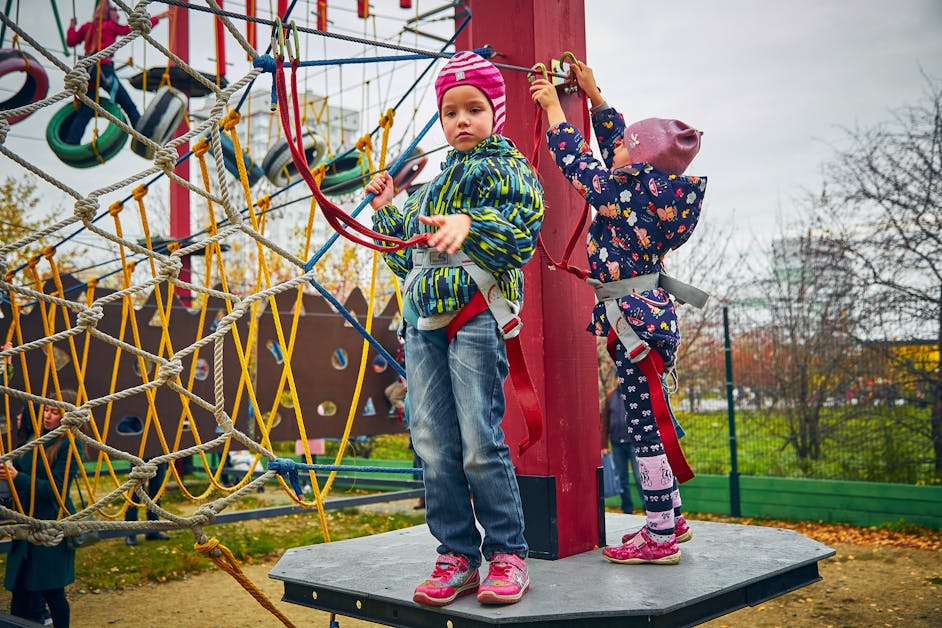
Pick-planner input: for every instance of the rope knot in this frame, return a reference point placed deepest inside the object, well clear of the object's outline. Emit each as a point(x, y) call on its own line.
point(386, 119)
point(231, 120)
point(77, 418)
point(76, 80)
point(207, 547)
point(365, 143)
point(169, 267)
point(169, 370)
point(139, 20)
point(4, 129)
point(201, 147)
point(144, 472)
point(206, 512)
point(265, 62)
point(89, 317)
point(47, 536)
point(165, 158)
point(288, 469)
point(86, 208)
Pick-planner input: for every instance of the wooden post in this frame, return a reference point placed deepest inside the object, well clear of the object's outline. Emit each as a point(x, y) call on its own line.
point(179, 194)
point(558, 475)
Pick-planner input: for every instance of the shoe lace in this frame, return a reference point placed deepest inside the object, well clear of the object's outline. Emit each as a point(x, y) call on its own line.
point(443, 571)
point(499, 571)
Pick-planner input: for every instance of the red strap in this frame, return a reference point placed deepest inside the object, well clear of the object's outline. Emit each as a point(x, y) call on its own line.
point(519, 373)
point(652, 365)
point(562, 264)
point(342, 222)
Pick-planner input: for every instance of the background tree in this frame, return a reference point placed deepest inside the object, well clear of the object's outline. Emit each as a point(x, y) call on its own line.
point(883, 201)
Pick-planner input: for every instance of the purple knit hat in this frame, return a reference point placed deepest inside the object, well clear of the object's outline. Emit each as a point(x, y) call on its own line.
point(468, 68)
point(668, 145)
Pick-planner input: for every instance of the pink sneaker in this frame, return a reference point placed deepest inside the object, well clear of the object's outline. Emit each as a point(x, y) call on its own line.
point(643, 549)
point(507, 580)
point(681, 531)
point(451, 579)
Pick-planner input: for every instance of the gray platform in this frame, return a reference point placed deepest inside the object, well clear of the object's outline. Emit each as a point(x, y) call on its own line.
point(724, 567)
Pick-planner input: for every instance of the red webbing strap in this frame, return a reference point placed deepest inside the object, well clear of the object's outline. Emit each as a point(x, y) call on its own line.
point(337, 218)
point(519, 373)
point(562, 264)
point(652, 365)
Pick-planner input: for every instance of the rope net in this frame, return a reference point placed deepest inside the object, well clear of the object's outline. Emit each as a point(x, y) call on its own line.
point(167, 360)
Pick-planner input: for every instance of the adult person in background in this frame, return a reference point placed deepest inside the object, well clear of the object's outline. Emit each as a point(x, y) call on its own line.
point(615, 430)
point(131, 514)
point(39, 571)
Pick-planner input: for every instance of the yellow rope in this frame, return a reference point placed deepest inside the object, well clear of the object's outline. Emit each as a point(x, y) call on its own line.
point(224, 559)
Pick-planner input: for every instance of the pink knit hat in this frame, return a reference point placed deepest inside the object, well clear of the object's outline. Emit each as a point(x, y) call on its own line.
point(668, 145)
point(468, 68)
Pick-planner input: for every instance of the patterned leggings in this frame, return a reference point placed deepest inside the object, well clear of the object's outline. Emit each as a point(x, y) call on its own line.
point(658, 486)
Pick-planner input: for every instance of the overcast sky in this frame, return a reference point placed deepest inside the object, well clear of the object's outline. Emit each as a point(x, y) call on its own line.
point(770, 83)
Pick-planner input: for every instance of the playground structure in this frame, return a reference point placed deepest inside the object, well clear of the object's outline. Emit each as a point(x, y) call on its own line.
point(213, 382)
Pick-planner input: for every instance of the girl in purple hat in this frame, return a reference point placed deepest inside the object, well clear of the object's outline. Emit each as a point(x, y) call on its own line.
point(645, 208)
point(485, 210)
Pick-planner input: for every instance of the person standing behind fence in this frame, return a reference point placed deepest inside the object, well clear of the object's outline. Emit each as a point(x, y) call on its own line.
point(153, 488)
point(615, 431)
point(38, 570)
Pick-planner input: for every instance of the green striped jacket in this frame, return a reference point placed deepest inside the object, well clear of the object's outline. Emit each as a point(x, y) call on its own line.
point(494, 184)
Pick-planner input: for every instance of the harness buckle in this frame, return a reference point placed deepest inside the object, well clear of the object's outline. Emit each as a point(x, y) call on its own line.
point(639, 352)
point(512, 328)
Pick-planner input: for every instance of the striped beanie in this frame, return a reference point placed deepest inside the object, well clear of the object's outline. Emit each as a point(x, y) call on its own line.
point(468, 68)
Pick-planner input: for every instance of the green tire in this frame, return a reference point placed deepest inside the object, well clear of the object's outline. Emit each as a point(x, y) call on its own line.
point(344, 176)
point(108, 145)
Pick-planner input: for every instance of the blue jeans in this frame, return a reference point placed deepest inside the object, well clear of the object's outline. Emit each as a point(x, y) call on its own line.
point(457, 405)
point(109, 82)
point(623, 454)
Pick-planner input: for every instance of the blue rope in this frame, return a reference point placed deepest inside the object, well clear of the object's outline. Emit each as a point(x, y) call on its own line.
point(289, 469)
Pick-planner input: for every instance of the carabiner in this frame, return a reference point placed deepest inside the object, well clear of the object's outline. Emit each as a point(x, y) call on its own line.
point(538, 67)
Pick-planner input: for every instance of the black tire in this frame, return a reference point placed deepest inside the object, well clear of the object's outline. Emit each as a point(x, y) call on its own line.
point(160, 120)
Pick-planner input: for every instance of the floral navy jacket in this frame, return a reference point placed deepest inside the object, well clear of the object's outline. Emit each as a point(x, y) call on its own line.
point(642, 213)
point(494, 184)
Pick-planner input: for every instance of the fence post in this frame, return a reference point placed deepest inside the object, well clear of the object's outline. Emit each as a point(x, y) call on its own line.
point(734, 507)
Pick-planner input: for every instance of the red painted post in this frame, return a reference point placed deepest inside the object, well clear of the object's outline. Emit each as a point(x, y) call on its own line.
point(561, 355)
point(180, 195)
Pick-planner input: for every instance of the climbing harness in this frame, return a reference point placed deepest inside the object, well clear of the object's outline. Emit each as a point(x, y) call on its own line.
point(507, 315)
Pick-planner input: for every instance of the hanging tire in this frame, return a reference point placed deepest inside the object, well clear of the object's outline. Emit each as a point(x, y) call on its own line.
point(252, 169)
point(34, 88)
point(159, 121)
point(278, 165)
point(409, 170)
point(344, 176)
point(88, 155)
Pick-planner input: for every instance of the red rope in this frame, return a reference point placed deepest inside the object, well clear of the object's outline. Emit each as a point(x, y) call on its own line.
point(337, 218)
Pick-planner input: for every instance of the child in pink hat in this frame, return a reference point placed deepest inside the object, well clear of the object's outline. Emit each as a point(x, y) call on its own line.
point(485, 210)
point(645, 207)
